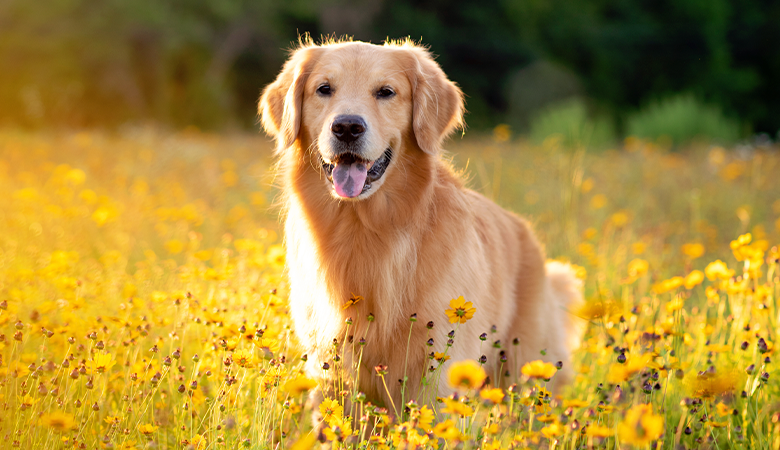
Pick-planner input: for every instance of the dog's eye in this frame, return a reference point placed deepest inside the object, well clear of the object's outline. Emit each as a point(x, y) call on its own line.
point(385, 92)
point(324, 90)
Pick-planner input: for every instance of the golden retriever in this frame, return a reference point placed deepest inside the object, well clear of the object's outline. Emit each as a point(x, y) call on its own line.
point(372, 210)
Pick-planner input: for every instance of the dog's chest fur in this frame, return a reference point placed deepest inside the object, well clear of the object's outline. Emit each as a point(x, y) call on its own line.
point(348, 265)
point(340, 267)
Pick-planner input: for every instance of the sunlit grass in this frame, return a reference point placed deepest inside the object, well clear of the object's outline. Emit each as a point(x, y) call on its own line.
point(143, 301)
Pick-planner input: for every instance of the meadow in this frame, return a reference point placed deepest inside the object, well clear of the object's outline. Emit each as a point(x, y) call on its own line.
point(143, 300)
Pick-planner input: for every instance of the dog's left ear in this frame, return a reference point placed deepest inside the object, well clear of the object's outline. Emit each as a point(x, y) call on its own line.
point(281, 102)
point(438, 102)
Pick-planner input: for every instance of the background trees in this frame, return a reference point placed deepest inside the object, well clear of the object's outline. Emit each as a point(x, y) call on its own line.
point(204, 62)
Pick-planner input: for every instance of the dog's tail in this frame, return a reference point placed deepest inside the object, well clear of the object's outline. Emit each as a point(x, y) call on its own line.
point(564, 291)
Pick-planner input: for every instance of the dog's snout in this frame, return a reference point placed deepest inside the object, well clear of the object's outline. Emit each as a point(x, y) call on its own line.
point(348, 128)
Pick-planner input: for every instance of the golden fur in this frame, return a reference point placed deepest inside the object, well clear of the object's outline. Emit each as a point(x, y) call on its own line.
point(417, 239)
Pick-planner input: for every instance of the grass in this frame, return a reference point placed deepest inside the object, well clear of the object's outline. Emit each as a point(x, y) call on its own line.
point(143, 300)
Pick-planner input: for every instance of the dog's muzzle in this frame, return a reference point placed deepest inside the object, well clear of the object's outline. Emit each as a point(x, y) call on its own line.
point(352, 175)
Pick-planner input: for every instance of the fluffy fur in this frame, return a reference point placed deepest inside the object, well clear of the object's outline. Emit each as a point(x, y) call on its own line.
point(416, 239)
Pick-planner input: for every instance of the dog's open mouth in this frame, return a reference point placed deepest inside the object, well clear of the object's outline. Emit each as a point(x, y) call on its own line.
point(352, 175)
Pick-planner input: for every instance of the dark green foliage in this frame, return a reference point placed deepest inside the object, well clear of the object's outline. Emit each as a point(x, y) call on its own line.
point(204, 62)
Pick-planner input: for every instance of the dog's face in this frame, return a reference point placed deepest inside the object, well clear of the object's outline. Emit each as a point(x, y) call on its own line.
point(356, 106)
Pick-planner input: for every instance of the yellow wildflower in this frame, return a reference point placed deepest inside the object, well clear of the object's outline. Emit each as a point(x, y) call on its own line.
point(712, 295)
point(587, 185)
point(552, 430)
point(598, 201)
point(203, 255)
point(675, 305)
point(199, 442)
point(339, 428)
point(495, 395)
point(425, 418)
point(244, 358)
point(719, 348)
point(441, 357)
point(722, 409)
point(174, 246)
point(694, 279)
point(598, 431)
point(579, 271)
point(575, 403)
point(102, 362)
point(693, 250)
point(147, 429)
point(305, 443)
point(543, 395)
point(640, 426)
point(104, 215)
point(352, 300)
point(269, 346)
point(606, 409)
point(466, 374)
point(447, 430)
point(460, 310)
point(718, 270)
point(637, 268)
point(741, 241)
point(75, 176)
point(595, 308)
point(668, 285)
point(458, 408)
point(276, 257)
point(491, 429)
point(619, 373)
point(59, 421)
point(716, 424)
point(586, 249)
point(620, 218)
point(711, 384)
point(414, 439)
point(538, 369)
point(299, 385)
point(331, 410)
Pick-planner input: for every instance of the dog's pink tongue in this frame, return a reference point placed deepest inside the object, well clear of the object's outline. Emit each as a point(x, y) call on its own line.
point(348, 179)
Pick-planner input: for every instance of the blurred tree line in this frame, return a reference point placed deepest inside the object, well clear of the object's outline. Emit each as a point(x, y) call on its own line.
point(204, 62)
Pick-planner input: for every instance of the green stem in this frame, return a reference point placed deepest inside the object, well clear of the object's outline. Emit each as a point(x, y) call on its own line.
point(406, 360)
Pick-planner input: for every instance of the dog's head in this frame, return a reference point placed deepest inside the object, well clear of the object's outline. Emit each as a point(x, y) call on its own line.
point(358, 107)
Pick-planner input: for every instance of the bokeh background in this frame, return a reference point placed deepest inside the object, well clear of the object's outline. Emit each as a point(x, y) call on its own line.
point(143, 295)
point(677, 68)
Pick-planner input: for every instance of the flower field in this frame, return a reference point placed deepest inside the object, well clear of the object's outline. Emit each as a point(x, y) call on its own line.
point(143, 301)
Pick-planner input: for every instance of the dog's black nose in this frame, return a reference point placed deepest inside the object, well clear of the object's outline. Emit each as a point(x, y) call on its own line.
point(348, 128)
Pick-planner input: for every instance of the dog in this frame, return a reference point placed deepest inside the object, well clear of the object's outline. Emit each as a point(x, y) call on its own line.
point(378, 228)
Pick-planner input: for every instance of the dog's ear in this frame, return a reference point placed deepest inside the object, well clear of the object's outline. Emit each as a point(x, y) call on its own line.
point(281, 102)
point(438, 102)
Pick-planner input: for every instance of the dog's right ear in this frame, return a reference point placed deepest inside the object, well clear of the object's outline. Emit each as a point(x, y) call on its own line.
point(281, 102)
